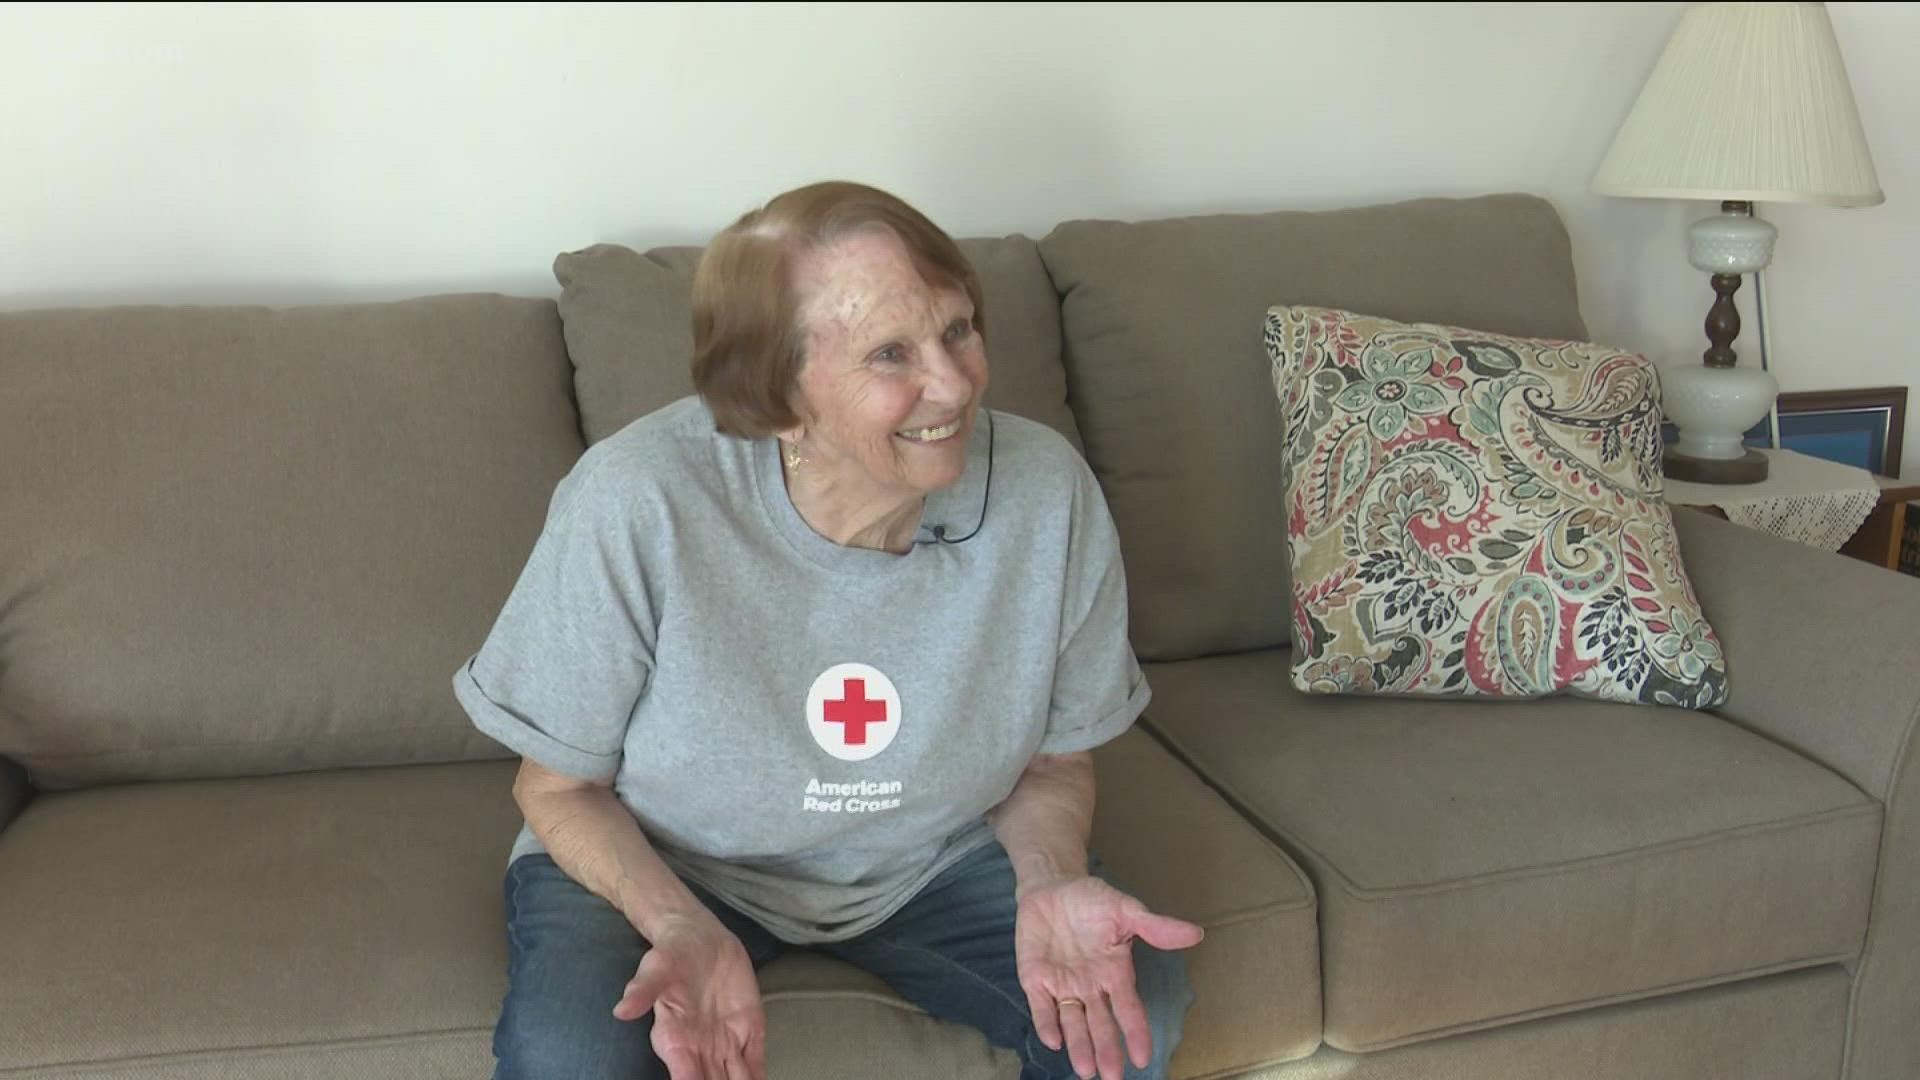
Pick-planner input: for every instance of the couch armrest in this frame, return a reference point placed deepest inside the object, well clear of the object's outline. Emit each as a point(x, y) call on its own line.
point(1823, 655)
point(14, 790)
point(1823, 651)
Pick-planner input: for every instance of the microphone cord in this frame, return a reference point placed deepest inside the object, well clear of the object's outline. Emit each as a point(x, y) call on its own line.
point(940, 531)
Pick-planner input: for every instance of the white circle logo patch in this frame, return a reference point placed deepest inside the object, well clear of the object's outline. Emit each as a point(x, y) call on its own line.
point(853, 711)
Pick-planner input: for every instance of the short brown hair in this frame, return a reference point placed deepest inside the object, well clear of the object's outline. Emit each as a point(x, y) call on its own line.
point(748, 343)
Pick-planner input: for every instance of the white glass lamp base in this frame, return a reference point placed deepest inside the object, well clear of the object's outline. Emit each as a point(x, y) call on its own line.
point(1714, 408)
point(1730, 243)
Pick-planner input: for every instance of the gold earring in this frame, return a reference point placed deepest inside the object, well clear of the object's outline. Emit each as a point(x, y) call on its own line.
point(794, 460)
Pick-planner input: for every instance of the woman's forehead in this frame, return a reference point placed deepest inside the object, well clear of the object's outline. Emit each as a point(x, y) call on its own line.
point(855, 284)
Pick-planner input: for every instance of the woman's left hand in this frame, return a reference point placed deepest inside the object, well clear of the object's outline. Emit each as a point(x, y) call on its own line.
point(1073, 942)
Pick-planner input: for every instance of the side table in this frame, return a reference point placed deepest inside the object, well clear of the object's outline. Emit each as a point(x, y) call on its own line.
point(1878, 540)
point(1813, 501)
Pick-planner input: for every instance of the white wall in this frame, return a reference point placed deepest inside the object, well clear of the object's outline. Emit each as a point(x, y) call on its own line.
point(302, 153)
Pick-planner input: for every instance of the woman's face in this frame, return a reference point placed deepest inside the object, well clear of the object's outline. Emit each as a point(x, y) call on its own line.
point(893, 374)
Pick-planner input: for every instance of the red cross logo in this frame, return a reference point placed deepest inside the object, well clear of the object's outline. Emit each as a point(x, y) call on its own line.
point(853, 711)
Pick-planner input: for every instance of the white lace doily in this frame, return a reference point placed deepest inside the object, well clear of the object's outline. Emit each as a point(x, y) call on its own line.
point(1805, 499)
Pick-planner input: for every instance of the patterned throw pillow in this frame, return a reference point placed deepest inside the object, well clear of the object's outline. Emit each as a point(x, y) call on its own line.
point(1476, 515)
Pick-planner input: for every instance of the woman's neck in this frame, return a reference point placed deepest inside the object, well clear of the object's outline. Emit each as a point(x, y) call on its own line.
point(853, 518)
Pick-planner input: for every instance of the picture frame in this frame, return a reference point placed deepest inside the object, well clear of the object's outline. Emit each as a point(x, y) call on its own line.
point(1856, 427)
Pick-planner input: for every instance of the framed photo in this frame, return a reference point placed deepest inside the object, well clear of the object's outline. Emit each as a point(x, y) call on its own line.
point(1856, 427)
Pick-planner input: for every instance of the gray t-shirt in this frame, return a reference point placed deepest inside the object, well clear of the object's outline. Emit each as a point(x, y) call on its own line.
point(809, 731)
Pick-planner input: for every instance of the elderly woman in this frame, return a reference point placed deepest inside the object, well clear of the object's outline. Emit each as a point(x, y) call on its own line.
point(815, 658)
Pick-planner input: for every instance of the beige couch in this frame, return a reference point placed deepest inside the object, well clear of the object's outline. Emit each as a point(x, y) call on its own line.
point(242, 550)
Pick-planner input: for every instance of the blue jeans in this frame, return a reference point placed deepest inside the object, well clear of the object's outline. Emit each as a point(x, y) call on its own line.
point(949, 951)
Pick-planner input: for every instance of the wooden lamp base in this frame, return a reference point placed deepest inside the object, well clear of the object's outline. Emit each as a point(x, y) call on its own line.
point(1749, 468)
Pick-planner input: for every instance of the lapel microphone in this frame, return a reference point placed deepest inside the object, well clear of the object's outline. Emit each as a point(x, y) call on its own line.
point(940, 531)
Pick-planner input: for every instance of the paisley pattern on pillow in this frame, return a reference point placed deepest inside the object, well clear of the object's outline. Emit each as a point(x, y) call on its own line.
point(1476, 515)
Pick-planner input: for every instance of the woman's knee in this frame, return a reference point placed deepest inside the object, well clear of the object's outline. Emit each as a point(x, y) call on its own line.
point(569, 956)
point(536, 1051)
point(552, 1027)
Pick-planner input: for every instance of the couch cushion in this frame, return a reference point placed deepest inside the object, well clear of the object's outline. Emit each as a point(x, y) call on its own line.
point(629, 328)
point(1170, 386)
point(348, 924)
point(241, 540)
point(282, 919)
point(1478, 863)
point(1480, 515)
point(14, 790)
point(1172, 841)
point(1790, 1026)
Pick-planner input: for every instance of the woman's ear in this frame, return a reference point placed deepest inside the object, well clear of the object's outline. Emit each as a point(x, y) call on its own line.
point(795, 434)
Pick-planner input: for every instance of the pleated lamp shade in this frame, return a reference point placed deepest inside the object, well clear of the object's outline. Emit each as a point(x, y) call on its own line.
point(1748, 102)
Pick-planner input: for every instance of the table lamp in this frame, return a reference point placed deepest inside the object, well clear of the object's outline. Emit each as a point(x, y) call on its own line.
point(1749, 102)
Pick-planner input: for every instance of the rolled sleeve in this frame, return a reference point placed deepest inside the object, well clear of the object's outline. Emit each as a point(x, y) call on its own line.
point(1068, 739)
point(1098, 687)
point(523, 735)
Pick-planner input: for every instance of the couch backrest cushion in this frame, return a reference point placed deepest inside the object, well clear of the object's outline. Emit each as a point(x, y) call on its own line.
point(14, 790)
point(1172, 390)
point(246, 540)
point(629, 327)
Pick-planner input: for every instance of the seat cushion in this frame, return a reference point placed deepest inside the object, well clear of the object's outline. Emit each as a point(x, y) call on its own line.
point(307, 920)
point(1790, 1026)
point(1483, 862)
point(244, 539)
point(1171, 389)
point(1169, 839)
point(629, 328)
point(349, 924)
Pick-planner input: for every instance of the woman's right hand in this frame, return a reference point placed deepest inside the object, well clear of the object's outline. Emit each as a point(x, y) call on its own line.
point(700, 984)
